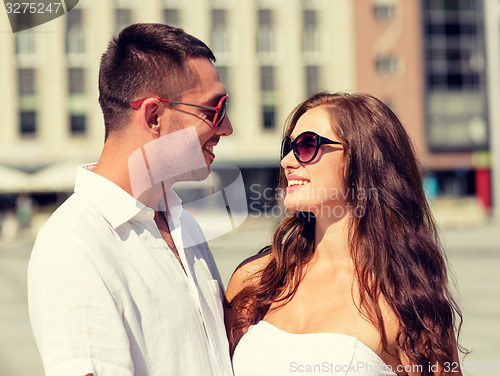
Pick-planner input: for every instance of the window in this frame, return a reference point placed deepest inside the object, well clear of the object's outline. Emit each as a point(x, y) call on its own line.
point(123, 18)
point(76, 80)
point(171, 17)
point(386, 65)
point(25, 44)
point(77, 105)
point(74, 32)
point(430, 4)
point(310, 34)
point(26, 87)
point(269, 117)
point(268, 96)
point(267, 78)
point(27, 123)
point(384, 12)
point(26, 81)
point(456, 96)
point(451, 5)
point(77, 124)
point(312, 79)
point(454, 44)
point(265, 34)
point(219, 34)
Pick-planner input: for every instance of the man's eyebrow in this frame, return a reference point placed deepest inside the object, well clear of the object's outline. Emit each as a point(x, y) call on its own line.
point(214, 101)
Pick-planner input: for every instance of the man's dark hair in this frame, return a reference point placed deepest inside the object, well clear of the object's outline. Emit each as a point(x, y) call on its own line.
point(145, 60)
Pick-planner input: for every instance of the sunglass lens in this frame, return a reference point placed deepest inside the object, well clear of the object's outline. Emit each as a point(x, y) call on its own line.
point(306, 146)
point(286, 147)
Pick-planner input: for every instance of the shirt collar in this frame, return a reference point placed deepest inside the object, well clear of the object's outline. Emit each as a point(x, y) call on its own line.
point(116, 205)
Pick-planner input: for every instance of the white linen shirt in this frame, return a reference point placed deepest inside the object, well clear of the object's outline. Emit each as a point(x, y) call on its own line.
point(107, 295)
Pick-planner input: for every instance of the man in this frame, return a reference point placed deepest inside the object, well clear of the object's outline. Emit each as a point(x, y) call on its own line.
point(121, 281)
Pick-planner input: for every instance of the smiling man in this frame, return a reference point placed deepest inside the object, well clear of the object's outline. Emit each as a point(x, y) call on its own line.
point(121, 281)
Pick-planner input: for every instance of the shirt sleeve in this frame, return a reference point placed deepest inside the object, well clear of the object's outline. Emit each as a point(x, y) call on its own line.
point(77, 325)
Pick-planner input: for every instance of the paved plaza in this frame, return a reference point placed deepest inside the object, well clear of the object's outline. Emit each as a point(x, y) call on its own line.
point(474, 254)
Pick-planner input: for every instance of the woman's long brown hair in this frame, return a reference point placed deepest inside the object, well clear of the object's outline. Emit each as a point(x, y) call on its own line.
point(394, 243)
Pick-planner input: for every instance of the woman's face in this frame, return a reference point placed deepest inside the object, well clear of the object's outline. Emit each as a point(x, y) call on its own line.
point(316, 186)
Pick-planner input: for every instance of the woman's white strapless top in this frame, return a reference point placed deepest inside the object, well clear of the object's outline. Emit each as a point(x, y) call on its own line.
point(266, 350)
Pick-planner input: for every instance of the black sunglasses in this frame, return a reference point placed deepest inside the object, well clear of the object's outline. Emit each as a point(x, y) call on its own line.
point(305, 146)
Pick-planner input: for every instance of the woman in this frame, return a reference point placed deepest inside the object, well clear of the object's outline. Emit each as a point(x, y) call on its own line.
point(354, 281)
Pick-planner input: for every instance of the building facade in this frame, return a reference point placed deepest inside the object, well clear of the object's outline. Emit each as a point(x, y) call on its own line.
point(50, 72)
point(426, 59)
point(492, 27)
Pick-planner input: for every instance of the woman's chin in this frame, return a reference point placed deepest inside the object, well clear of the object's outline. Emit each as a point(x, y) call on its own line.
point(299, 206)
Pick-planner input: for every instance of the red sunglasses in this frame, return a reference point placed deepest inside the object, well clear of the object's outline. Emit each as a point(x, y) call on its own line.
point(219, 111)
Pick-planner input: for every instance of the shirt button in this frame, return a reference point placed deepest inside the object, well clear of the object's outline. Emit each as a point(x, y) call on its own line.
point(149, 214)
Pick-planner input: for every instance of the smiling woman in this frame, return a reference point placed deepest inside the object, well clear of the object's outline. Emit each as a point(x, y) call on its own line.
point(350, 279)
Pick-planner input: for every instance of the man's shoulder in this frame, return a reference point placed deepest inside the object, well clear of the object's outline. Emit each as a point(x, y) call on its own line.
point(76, 223)
point(76, 239)
point(71, 216)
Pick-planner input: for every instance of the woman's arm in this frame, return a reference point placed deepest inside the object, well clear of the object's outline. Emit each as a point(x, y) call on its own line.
point(242, 277)
point(236, 284)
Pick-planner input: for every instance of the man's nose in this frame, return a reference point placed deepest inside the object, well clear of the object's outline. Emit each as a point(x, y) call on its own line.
point(225, 128)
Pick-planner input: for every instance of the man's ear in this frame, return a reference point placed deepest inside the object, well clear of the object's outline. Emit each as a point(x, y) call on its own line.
point(150, 110)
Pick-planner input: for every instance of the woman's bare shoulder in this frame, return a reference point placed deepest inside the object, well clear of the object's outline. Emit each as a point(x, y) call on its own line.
point(244, 273)
point(391, 321)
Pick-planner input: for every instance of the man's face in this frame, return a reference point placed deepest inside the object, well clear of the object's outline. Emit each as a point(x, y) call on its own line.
point(207, 92)
point(184, 138)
